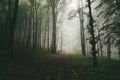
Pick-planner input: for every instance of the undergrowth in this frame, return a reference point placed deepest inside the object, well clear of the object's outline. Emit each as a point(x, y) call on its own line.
point(108, 69)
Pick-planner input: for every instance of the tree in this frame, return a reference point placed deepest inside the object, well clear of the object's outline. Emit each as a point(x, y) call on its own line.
point(13, 23)
point(4, 23)
point(81, 19)
point(109, 46)
point(111, 22)
point(54, 5)
point(92, 40)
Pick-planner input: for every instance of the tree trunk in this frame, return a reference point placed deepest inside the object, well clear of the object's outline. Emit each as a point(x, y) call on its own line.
point(54, 32)
point(33, 34)
point(13, 25)
point(29, 30)
point(61, 39)
point(93, 42)
point(119, 50)
point(108, 47)
point(100, 44)
point(40, 30)
point(54, 4)
point(45, 35)
point(48, 29)
point(24, 31)
point(36, 31)
point(82, 29)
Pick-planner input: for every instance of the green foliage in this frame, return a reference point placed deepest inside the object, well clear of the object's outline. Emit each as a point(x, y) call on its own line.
point(107, 69)
point(112, 18)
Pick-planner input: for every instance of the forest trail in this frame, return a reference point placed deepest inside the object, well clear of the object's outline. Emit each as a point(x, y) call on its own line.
point(45, 67)
point(32, 65)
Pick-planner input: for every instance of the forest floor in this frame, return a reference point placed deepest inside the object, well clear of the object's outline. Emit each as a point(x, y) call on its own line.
point(35, 65)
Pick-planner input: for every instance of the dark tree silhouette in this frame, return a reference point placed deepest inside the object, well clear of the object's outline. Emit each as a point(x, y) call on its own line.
point(13, 24)
point(92, 40)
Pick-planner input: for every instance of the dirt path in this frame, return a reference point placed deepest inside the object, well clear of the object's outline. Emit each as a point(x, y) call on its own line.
point(67, 67)
point(61, 65)
point(47, 67)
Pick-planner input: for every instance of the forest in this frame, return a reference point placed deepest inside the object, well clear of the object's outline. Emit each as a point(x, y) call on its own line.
point(59, 39)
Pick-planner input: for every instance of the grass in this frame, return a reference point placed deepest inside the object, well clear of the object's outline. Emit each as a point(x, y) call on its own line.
point(108, 69)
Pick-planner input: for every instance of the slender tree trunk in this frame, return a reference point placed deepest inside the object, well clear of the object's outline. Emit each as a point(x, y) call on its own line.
point(24, 33)
point(18, 37)
point(36, 31)
point(61, 39)
point(5, 43)
point(119, 50)
point(45, 35)
point(82, 28)
point(29, 30)
point(13, 25)
point(9, 11)
point(54, 4)
point(93, 42)
point(54, 32)
point(25, 29)
point(33, 34)
point(101, 48)
point(48, 29)
point(40, 30)
point(108, 47)
point(100, 44)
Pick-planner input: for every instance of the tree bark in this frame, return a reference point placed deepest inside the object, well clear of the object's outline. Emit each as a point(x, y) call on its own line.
point(108, 47)
point(119, 50)
point(53, 47)
point(54, 5)
point(13, 25)
point(93, 42)
point(40, 30)
point(29, 30)
point(48, 28)
point(82, 35)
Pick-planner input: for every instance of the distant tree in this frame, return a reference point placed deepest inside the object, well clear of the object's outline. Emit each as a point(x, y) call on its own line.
point(29, 30)
point(111, 14)
point(54, 5)
point(109, 46)
point(81, 19)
